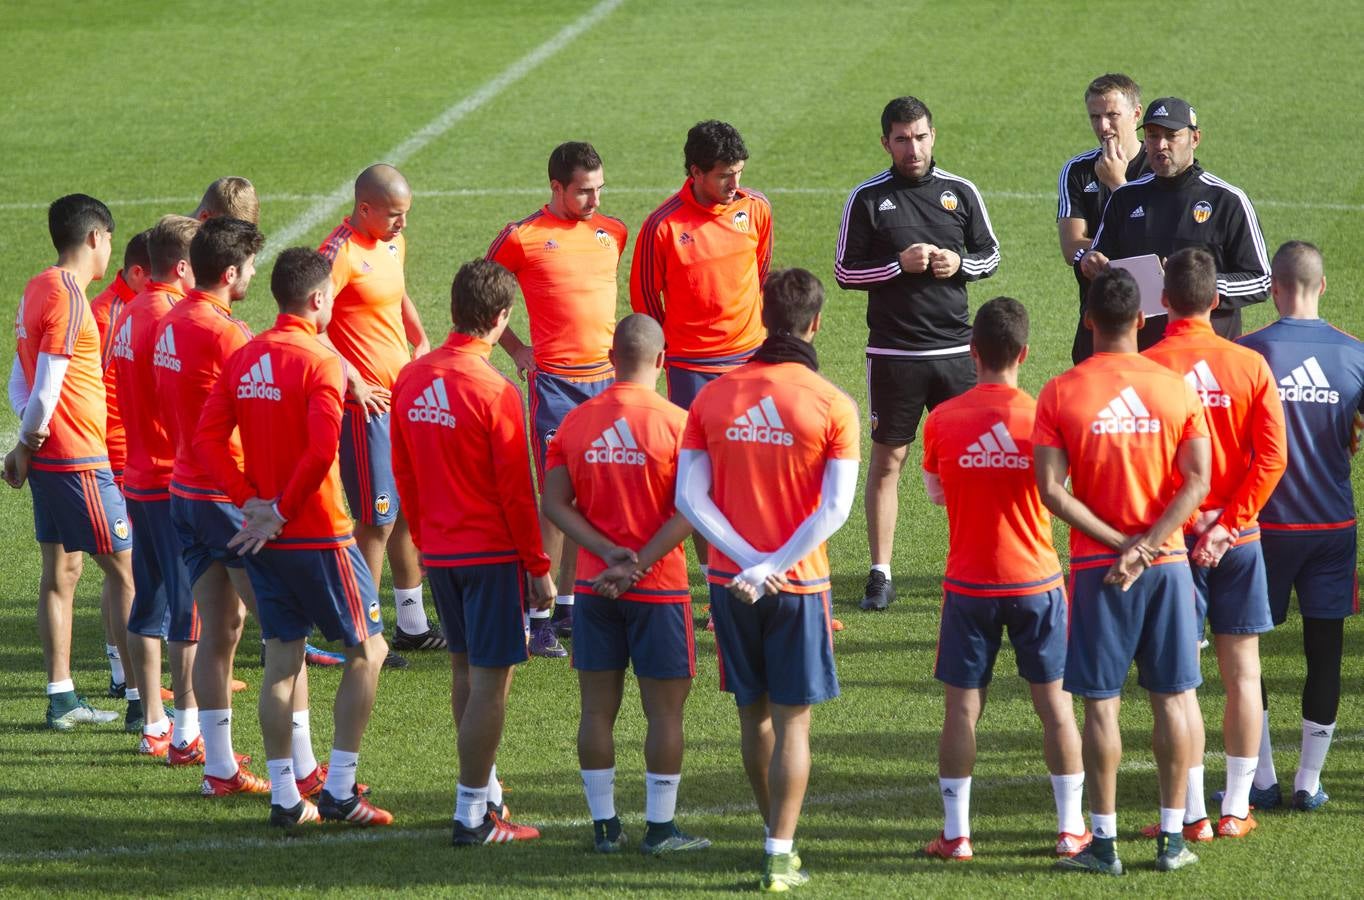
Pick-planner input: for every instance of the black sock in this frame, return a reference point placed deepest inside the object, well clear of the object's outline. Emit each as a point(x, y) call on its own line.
point(657, 831)
point(606, 829)
point(1169, 843)
point(1323, 642)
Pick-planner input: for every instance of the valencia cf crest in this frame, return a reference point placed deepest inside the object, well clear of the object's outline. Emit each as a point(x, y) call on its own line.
point(741, 221)
point(605, 239)
point(381, 504)
point(1202, 211)
point(121, 529)
point(948, 200)
point(374, 611)
point(875, 421)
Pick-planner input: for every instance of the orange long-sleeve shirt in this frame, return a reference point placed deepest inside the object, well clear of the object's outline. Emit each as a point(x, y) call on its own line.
point(151, 454)
point(107, 307)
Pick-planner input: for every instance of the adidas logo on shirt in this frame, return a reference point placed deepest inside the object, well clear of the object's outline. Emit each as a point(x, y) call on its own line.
point(123, 341)
point(1201, 379)
point(1138, 213)
point(616, 445)
point(761, 424)
point(995, 449)
point(1125, 414)
point(432, 405)
point(886, 205)
point(165, 351)
point(1307, 383)
point(1091, 188)
point(259, 383)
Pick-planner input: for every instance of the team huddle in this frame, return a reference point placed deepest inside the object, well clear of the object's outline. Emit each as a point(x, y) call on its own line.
point(213, 473)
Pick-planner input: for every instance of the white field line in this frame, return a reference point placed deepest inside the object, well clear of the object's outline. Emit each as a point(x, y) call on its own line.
point(376, 836)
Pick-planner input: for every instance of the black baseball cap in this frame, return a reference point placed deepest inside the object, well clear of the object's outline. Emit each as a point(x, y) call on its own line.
point(1170, 112)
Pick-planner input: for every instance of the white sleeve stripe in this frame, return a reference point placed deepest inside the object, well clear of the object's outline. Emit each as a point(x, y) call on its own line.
point(1257, 236)
point(1063, 196)
point(847, 208)
point(980, 204)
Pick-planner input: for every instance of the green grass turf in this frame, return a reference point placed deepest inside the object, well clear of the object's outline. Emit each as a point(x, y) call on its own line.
point(144, 104)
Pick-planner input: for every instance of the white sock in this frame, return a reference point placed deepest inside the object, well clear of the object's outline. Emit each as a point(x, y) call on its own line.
point(471, 805)
point(304, 759)
point(1316, 740)
point(1105, 825)
point(660, 797)
point(1067, 791)
point(132, 694)
point(341, 774)
point(156, 729)
point(219, 760)
point(494, 787)
point(1195, 806)
point(600, 787)
point(115, 664)
point(283, 788)
point(563, 600)
point(883, 568)
point(1172, 821)
point(778, 845)
point(540, 615)
point(1240, 775)
point(60, 687)
point(186, 726)
point(1265, 776)
point(956, 806)
point(411, 610)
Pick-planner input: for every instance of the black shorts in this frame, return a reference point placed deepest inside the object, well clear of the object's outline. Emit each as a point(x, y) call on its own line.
point(900, 388)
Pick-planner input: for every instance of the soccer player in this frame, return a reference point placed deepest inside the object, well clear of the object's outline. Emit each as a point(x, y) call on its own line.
point(611, 486)
point(375, 320)
point(56, 390)
point(1308, 525)
point(282, 392)
point(1131, 435)
point(463, 473)
point(1002, 572)
point(231, 196)
point(773, 436)
point(564, 257)
point(1249, 454)
point(163, 606)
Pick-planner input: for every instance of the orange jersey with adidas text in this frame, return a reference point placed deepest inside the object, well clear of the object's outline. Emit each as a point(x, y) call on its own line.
point(54, 318)
point(979, 444)
point(367, 320)
point(769, 429)
point(567, 272)
point(699, 271)
point(151, 453)
point(106, 308)
point(461, 460)
point(620, 449)
point(1120, 418)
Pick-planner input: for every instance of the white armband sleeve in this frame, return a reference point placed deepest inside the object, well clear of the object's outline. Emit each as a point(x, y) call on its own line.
point(694, 501)
point(48, 375)
point(933, 485)
point(18, 388)
point(835, 503)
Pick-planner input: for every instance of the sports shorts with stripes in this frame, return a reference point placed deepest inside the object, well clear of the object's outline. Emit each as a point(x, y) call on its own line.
point(82, 511)
point(367, 467)
point(330, 589)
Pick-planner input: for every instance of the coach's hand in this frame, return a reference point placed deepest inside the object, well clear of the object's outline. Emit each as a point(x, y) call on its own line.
point(944, 263)
point(16, 465)
point(1092, 263)
point(260, 524)
point(1111, 166)
point(542, 591)
point(916, 258)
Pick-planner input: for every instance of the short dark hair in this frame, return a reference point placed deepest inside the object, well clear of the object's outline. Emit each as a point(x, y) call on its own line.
point(137, 252)
point(1190, 281)
point(904, 110)
point(1297, 264)
point(482, 289)
point(791, 300)
point(1000, 332)
point(168, 242)
point(221, 243)
point(638, 339)
point(1115, 82)
point(711, 142)
point(298, 272)
point(71, 218)
point(569, 157)
point(1113, 302)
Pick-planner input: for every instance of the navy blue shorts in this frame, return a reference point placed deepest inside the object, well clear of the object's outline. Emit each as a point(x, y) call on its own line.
point(685, 384)
point(1154, 623)
point(162, 603)
point(551, 398)
point(479, 608)
point(1233, 597)
point(367, 467)
point(204, 528)
point(781, 646)
point(1319, 565)
point(330, 589)
point(655, 638)
point(82, 511)
point(972, 629)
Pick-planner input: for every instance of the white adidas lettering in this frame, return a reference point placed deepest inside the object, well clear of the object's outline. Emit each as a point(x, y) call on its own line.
point(1205, 384)
point(1125, 414)
point(432, 405)
point(1307, 383)
point(761, 424)
point(123, 341)
point(259, 383)
point(995, 449)
point(616, 445)
point(165, 357)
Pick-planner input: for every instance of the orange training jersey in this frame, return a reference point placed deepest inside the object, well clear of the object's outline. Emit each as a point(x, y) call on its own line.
point(367, 320)
point(54, 318)
point(567, 272)
point(146, 476)
point(769, 429)
point(979, 444)
point(282, 390)
point(1120, 418)
point(699, 271)
point(621, 451)
point(1245, 418)
point(461, 460)
point(107, 307)
point(199, 335)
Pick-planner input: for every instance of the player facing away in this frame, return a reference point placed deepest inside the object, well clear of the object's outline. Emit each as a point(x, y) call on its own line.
point(374, 322)
point(282, 393)
point(1002, 573)
point(163, 606)
point(56, 390)
point(1249, 454)
point(460, 457)
point(1308, 525)
point(774, 436)
point(564, 257)
point(231, 196)
point(1131, 435)
point(611, 487)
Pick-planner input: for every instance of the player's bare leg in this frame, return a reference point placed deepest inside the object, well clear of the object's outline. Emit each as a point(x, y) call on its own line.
point(355, 696)
point(1060, 737)
point(790, 770)
point(1101, 748)
point(373, 541)
point(757, 740)
point(145, 655)
point(663, 700)
point(882, 507)
point(56, 598)
point(221, 618)
point(182, 655)
point(1238, 659)
point(600, 699)
point(957, 743)
point(1170, 744)
point(479, 703)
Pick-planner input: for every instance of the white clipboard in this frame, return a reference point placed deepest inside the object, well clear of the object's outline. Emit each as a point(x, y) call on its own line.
point(1150, 276)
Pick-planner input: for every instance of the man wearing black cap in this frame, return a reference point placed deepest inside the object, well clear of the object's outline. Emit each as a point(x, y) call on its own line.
point(1180, 205)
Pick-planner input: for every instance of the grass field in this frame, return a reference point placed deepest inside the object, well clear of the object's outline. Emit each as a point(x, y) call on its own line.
point(143, 104)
